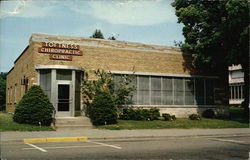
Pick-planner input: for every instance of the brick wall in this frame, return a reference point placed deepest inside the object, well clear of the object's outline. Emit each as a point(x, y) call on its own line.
point(99, 54)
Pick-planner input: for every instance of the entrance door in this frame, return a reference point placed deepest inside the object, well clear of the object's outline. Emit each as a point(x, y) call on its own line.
point(64, 100)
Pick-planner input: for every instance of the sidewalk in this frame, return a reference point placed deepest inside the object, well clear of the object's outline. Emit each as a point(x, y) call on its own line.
point(97, 134)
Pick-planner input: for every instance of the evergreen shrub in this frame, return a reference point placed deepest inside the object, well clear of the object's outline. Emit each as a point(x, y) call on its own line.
point(168, 117)
point(102, 110)
point(195, 117)
point(209, 113)
point(140, 114)
point(34, 108)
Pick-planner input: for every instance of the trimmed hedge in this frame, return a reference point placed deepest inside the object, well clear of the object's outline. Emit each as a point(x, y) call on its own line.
point(140, 114)
point(195, 117)
point(34, 108)
point(209, 113)
point(168, 117)
point(102, 110)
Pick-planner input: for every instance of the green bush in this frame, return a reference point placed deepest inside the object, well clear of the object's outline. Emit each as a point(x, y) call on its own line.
point(168, 117)
point(34, 108)
point(140, 114)
point(102, 110)
point(154, 113)
point(209, 113)
point(195, 117)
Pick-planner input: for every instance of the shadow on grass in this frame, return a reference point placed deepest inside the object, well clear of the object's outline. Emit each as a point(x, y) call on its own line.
point(235, 114)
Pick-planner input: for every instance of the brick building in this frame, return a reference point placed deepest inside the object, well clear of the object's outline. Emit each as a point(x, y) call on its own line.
point(165, 77)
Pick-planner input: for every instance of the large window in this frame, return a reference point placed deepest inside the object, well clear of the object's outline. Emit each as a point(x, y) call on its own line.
point(236, 91)
point(159, 90)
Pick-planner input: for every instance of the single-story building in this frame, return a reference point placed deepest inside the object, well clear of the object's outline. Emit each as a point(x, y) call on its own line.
point(164, 76)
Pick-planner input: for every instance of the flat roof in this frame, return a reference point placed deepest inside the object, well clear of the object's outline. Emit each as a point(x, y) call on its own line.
point(95, 42)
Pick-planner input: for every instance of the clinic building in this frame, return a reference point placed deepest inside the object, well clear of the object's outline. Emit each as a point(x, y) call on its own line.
point(164, 76)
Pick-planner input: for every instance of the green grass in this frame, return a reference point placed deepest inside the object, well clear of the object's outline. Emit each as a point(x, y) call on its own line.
point(234, 121)
point(7, 124)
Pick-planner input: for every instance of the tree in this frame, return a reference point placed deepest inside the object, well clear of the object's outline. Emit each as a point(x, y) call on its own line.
point(112, 38)
point(121, 92)
point(2, 90)
point(217, 35)
point(97, 34)
point(34, 108)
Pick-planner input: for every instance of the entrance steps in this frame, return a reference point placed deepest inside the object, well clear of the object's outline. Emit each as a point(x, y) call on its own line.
point(73, 122)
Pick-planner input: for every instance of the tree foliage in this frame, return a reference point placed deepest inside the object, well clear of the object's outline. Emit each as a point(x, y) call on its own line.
point(97, 34)
point(104, 82)
point(34, 108)
point(215, 31)
point(216, 34)
point(2, 90)
point(112, 38)
point(103, 110)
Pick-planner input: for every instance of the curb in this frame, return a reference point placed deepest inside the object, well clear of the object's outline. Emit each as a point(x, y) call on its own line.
point(121, 138)
point(54, 139)
point(141, 138)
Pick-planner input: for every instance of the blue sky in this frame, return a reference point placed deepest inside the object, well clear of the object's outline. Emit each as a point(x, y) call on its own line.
point(145, 21)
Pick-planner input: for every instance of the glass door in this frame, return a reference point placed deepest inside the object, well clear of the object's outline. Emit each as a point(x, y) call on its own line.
point(64, 100)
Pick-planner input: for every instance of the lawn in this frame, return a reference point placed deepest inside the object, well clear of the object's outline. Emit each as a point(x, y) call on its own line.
point(234, 121)
point(7, 124)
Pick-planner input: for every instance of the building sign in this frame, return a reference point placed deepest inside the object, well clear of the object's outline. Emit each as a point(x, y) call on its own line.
point(60, 57)
point(60, 51)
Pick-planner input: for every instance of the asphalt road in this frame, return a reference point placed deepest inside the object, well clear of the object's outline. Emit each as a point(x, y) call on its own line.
point(188, 148)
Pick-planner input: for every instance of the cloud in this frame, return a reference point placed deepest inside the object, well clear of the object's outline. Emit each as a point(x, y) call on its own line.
point(24, 9)
point(131, 12)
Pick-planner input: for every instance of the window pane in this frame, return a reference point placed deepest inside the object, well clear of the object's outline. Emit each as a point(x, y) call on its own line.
point(143, 90)
point(178, 91)
point(167, 90)
point(134, 84)
point(45, 81)
point(118, 79)
point(62, 74)
point(199, 91)
point(189, 91)
point(156, 90)
point(210, 91)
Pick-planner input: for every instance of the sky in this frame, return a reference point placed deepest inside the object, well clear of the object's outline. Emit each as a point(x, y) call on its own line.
point(144, 21)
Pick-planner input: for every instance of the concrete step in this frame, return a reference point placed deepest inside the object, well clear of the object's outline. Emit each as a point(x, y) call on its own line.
point(83, 122)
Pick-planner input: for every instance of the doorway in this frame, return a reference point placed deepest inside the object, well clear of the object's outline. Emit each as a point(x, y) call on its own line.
point(64, 99)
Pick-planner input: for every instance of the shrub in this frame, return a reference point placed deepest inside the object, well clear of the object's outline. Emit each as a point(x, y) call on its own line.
point(140, 114)
point(195, 117)
point(102, 110)
point(154, 113)
point(208, 113)
point(34, 108)
point(168, 117)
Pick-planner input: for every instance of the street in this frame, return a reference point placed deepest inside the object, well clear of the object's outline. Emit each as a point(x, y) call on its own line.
point(179, 148)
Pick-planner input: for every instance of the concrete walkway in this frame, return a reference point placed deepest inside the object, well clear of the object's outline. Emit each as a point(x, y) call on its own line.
point(97, 134)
